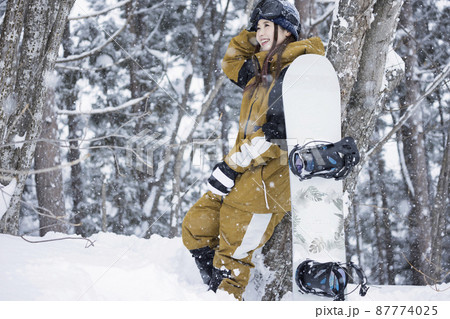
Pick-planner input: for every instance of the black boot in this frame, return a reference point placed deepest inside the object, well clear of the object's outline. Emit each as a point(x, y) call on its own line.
point(217, 276)
point(204, 259)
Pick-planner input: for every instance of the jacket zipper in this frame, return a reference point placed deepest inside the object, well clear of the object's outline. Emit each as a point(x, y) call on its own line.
point(255, 60)
point(248, 119)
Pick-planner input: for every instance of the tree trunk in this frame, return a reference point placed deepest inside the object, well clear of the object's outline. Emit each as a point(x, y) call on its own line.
point(166, 176)
point(378, 233)
point(415, 159)
point(439, 211)
point(177, 199)
point(364, 106)
point(278, 259)
point(12, 27)
point(307, 11)
point(69, 98)
point(387, 232)
point(139, 172)
point(364, 103)
point(42, 32)
point(346, 44)
point(49, 185)
point(9, 45)
point(357, 235)
point(362, 35)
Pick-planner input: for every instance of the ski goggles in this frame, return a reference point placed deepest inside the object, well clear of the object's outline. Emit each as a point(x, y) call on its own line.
point(271, 10)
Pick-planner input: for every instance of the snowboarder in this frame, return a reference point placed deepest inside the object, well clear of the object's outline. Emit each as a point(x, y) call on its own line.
point(249, 190)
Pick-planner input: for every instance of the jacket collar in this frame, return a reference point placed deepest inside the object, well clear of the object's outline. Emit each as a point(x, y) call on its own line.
point(297, 48)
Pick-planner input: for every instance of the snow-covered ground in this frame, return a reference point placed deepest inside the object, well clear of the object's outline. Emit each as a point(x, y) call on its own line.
point(115, 268)
point(129, 268)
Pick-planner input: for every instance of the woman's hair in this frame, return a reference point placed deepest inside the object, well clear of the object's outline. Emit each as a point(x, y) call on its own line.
point(262, 74)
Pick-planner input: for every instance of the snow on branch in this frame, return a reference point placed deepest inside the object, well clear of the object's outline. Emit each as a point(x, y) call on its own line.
point(145, 10)
point(108, 109)
point(43, 170)
point(111, 38)
point(410, 110)
point(94, 14)
point(95, 50)
point(81, 69)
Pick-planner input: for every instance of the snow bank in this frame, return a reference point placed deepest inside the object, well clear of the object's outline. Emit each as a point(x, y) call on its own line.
point(116, 268)
point(130, 268)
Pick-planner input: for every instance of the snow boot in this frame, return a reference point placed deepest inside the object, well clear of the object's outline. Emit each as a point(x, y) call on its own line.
point(204, 259)
point(217, 276)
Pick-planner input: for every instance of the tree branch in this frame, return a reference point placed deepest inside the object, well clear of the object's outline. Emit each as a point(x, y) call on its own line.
point(323, 17)
point(80, 69)
point(88, 244)
point(44, 170)
point(410, 110)
point(111, 38)
point(109, 109)
point(95, 50)
point(94, 14)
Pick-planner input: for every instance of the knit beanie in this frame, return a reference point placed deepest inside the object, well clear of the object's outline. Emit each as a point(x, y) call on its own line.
point(280, 12)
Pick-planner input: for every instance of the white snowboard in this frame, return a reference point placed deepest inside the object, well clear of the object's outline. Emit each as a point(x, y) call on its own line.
point(311, 99)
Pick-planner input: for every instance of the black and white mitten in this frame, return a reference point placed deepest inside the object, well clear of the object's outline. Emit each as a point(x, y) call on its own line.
point(222, 179)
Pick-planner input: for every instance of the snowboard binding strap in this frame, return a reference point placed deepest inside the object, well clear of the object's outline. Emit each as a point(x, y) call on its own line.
point(327, 279)
point(330, 160)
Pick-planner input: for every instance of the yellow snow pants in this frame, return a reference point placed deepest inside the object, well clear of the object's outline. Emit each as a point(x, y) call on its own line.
point(233, 234)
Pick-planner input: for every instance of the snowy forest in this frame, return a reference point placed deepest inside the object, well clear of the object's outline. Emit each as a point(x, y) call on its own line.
point(113, 114)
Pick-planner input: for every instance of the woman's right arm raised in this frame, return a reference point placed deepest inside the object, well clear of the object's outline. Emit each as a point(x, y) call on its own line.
point(237, 63)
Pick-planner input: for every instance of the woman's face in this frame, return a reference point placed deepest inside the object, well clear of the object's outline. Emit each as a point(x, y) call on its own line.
point(264, 34)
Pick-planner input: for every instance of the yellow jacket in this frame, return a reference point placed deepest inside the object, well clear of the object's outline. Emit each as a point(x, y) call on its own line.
point(263, 185)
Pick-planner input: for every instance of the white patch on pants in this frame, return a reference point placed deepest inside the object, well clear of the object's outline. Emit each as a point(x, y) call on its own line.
point(253, 236)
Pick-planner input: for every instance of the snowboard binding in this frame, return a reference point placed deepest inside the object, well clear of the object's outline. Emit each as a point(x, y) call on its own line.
point(330, 160)
point(327, 279)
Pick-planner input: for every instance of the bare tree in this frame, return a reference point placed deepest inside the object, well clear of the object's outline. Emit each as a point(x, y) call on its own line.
point(69, 97)
point(413, 140)
point(210, 96)
point(27, 62)
point(439, 210)
point(49, 185)
point(358, 49)
point(387, 231)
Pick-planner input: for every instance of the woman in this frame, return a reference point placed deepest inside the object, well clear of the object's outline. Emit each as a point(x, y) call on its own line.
point(249, 190)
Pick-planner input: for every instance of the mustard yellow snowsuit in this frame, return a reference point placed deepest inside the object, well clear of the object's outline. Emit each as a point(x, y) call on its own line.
point(243, 221)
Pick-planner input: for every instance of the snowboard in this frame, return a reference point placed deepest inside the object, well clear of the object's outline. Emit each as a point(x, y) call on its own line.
point(311, 99)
